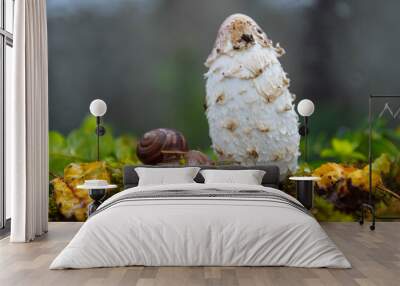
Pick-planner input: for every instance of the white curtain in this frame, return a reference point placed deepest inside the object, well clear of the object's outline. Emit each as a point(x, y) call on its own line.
point(27, 123)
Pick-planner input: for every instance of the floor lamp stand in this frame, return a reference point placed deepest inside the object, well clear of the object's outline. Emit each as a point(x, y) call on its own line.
point(305, 108)
point(304, 133)
point(100, 131)
point(370, 205)
point(306, 138)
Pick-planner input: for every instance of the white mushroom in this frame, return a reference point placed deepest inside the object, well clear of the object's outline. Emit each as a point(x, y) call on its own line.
point(258, 124)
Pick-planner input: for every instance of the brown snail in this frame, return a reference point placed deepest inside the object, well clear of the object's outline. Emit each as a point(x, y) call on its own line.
point(153, 147)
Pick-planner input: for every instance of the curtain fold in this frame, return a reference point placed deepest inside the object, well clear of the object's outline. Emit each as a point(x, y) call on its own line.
point(27, 120)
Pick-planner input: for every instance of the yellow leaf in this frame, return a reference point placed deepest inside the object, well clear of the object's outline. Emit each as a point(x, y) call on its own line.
point(330, 173)
point(71, 201)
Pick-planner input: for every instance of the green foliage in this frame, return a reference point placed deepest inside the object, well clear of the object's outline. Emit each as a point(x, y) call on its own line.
point(344, 150)
point(325, 211)
point(58, 153)
point(347, 148)
point(382, 164)
point(123, 149)
point(80, 145)
point(382, 142)
point(82, 141)
point(351, 146)
point(211, 154)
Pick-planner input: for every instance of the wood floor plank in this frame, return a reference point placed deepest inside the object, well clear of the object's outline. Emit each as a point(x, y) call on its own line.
point(375, 257)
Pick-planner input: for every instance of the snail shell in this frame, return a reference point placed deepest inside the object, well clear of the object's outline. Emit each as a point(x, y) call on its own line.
point(154, 142)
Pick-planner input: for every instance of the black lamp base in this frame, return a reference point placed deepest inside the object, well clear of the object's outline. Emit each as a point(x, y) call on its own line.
point(97, 195)
point(305, 193)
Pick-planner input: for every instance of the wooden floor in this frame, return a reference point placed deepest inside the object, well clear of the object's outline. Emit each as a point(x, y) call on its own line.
point(375, 257)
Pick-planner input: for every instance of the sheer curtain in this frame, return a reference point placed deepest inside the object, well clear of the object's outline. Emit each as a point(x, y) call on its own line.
point(27, 124)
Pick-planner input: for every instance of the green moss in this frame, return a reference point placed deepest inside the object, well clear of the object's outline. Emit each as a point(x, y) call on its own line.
point(325, 211)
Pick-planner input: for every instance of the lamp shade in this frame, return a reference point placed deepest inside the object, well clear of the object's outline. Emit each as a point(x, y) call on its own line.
point(98, 107)
point(305, 107)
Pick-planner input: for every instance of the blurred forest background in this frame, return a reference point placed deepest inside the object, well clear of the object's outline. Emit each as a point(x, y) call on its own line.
point(145, 58)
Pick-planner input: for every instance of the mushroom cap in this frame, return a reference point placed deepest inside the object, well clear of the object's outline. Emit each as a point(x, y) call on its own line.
point(236, 33)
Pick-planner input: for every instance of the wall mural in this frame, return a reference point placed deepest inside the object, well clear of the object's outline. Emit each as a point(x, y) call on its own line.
point(242, 112)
